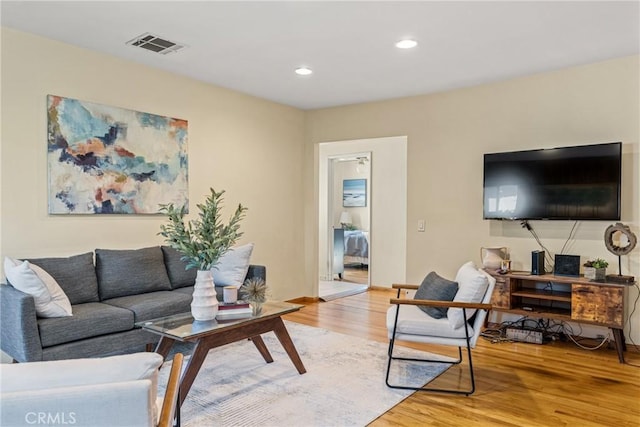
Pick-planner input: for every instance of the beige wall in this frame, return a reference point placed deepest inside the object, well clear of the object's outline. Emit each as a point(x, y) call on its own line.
point(250, 147)
point(449, 132)
point(253, 149)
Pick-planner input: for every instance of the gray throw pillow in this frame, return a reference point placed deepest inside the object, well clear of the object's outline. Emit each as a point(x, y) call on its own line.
point(436, 288)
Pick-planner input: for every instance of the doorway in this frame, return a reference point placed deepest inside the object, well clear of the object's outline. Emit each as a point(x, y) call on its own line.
point(384, 171)
point(349, 234)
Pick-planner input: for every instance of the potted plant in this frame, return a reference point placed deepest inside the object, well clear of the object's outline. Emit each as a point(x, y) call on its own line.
point(202, 242)
point(596, 269)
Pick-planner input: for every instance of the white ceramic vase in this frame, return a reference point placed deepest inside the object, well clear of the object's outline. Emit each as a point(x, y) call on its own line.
point(492, 257)
point(204, 305)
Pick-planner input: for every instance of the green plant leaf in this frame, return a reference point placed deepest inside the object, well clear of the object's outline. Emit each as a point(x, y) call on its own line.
point(204, 240)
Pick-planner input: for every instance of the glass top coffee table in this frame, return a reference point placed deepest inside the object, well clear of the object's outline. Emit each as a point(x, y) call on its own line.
point(210, 334)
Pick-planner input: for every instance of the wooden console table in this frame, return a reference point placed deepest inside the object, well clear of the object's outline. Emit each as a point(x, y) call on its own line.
point(573, 299)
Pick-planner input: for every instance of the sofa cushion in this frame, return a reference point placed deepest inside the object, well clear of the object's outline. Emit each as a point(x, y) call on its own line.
point(186, 290)
point(154, 304)
point(126, 272)
point(88, 320)
point(76, 276)
point(178, 276)
point(232, 267)
point(49, 298)
point(472, 285)
point(436, 288)
point(413, 321)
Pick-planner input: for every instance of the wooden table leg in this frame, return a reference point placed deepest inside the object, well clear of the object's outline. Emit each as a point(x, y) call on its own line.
point(262, 348)
point(618, 336)
point(193, 367)
point(164, 345)
point(283, 336)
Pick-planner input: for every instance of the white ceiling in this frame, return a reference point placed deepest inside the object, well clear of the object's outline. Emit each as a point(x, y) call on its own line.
point(254, 47)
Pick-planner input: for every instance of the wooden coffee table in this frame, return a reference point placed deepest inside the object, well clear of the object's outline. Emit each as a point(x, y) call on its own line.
point(211, 334)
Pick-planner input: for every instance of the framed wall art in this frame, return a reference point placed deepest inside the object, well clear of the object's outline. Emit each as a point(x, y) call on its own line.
point(110, 160)
point(354, 193)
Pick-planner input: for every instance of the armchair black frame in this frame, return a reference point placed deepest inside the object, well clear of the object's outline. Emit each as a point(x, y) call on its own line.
point(482, 308)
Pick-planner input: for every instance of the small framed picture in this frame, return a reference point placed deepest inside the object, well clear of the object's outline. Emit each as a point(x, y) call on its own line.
point(354, 193)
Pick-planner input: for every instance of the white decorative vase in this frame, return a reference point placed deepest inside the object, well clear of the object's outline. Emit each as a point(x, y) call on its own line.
point(204, 305)
point(492, 257)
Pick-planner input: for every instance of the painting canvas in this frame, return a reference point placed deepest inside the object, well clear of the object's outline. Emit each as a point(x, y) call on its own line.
point(109, 160)
point(354, 192)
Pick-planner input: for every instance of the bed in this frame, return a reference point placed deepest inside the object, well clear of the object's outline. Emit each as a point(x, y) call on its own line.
point(356, 247)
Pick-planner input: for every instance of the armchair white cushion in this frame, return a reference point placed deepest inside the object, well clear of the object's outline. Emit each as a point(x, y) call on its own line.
point(416, 325)
point(111, 391)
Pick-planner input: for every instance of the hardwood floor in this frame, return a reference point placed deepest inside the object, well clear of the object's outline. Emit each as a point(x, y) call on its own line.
point(355, 274)
point(517, 384)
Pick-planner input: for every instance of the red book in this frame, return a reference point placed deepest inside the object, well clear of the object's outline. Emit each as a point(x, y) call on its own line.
point(233, 305)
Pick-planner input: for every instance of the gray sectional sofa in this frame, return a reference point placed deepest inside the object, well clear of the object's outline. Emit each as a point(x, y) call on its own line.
point(122, 287)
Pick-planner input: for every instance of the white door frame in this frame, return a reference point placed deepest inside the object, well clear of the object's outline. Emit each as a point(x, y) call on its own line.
point(331, 208)
point(388, 211)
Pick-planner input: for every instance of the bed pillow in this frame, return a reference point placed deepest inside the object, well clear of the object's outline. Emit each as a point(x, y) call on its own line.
point(472, 285)
point(232, 267)
point(50, 299)
point(436, 288)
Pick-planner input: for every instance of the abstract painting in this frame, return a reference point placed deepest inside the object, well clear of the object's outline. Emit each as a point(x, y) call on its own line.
point(109, 160)
point(354, 193)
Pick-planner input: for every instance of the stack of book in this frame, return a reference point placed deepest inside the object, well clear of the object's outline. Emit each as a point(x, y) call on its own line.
point(233, 310)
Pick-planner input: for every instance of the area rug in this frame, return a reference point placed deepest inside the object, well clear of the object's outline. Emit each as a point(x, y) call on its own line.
point(344, 384)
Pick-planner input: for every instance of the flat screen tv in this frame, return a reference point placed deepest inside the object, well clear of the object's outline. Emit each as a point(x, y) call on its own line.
point(566, 183)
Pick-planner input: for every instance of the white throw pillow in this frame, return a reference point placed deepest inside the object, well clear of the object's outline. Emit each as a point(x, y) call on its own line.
point(232, 267)
point(472, 285)
point(50, 299)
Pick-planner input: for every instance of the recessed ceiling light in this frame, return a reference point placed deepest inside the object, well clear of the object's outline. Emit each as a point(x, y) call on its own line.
point(406, 44)
point(303, 71)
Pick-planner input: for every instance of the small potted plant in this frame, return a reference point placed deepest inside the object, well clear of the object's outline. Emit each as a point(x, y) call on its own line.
point(596, 269)
point(202, 242)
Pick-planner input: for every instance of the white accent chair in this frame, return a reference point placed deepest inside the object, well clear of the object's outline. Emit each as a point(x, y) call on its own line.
point(110, 391)
point(406, 322)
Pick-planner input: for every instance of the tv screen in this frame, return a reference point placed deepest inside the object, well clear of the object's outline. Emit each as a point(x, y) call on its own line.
point(567, 183)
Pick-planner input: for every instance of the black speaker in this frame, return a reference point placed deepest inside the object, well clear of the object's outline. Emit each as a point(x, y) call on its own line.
point(567, 265)
point(537, 262)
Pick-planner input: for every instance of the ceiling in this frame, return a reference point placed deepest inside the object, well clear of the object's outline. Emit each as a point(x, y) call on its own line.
point(254, 47)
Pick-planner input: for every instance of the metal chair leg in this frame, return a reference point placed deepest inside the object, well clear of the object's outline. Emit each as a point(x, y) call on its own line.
point(451, 363)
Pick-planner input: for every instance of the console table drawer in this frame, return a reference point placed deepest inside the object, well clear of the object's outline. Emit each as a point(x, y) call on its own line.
point(598, 304)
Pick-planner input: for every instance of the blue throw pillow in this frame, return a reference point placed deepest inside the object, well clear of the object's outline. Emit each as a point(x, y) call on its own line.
point(436, 288)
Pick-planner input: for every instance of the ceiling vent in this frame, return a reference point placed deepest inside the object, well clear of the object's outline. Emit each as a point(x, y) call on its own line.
point(156, 44)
